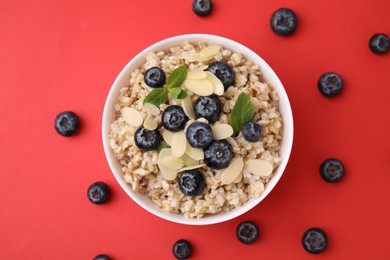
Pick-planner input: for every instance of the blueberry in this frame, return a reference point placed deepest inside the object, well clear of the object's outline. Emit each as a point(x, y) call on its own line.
point(102, 257)
point(332, 170)
point(247, 232)
point(182, 249)
point(218, 154)
point(98, 192)
point(314, 240)
point(147, 140)
point(192, 182)
point(284, 21)
point(67, 123)
point(208, 107)
point(199, 135)
point(379, 43)
point(330, 84)
point(251, 131)
point(154, 77)
point(223, 72)
point(202, 7)
point(174, 118)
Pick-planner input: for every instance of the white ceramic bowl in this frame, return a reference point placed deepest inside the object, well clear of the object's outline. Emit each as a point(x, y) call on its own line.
point(269, 76)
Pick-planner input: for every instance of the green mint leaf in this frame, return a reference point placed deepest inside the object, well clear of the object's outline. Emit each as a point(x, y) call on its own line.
point(162, 146)
point(178, 93)
point(242, 112)
point(157, 97)
point(177, 77)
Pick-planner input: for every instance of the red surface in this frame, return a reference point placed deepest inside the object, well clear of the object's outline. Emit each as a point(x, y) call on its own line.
point(64, 55)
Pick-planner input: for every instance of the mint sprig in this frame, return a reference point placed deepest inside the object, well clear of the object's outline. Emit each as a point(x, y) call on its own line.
point(242, 112)
point(159, 96)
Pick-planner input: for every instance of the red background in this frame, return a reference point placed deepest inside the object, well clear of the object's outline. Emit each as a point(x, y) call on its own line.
point(64, 55)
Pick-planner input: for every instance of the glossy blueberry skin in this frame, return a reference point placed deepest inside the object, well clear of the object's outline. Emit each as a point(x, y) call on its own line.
point(202, 7)
point(284, 21)
point(379, 43)
point(174, 118)
point(192, 182)
point(247, 232)
point(314, 240)
point(155, 77)
point(218, 154)
point(98, 192)
point(208, 107)
point(223, 72)
point(67, 123)
point(102, 257)
point(182, 249)
point(199, 135)
point(251, 131)
point(332, 170)
point(330, 84)
point(147, 140)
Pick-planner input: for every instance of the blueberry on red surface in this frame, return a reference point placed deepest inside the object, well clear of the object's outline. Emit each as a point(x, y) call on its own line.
point(199, 135)
point(192, 182)
point(98, 192)
point(284, 21)
point(202, 7)
point(224, 73)
point(330, 84)
point(332, 170)
point(218, 154)
point(247, 232)
point(208, 107)
point(182, 249)
point(379, 43)
point(251, 131)
point(174, 118)
point(147, 140)
point(314, 240)
point(154, 77)
point(102, 257)
point(67, 123)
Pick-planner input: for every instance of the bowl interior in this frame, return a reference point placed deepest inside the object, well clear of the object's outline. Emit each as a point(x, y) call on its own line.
point(269, 76)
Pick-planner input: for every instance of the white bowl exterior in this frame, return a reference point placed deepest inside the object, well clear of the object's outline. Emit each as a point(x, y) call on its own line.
point(123, 80)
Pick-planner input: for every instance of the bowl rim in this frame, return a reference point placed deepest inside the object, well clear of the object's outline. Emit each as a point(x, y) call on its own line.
point(286, 145)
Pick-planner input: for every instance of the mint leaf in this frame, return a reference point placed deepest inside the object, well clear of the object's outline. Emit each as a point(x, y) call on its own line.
point(177, 77)
point(178, 93)
point(162, 146)
point(242, 112)
point(157, 97)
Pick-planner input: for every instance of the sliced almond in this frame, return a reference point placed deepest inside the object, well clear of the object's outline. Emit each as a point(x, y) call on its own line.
point(167, 136)
point(259, 167)
point(132, 116)
point(222, 131)
point(238, 179)
point(198, 57)
point(201, 87)
point(191, 167)
point(188, 160)
point(188, 107)
point(196, 74)
point(211, 50)
point(179, 144)
point(194, 153)
point(168, 174)
point(231, 141)
point(218, 86)
point(150, 124)
point(172, 162)
point(203, 67)
point(151, 109)
point(234, 169)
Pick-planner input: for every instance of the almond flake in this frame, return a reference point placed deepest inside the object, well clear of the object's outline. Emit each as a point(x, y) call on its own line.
point(150, 124)
point(221, 131)
point(132, 116)
point(198, 57)
point(167, 136)
point(151, 109)
point(172, 162)
point(191, 167)
point(194, 153)
point(168, 174)
point(231, 141)
point(211, 50)
point(196, 74)
point(203, 67)
point(218, 86)
point(238, 179)
point(234, 169)
point(201, 87)
point(179, 144)
point(188, 160)
point(259, 167)
point(188, 107)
